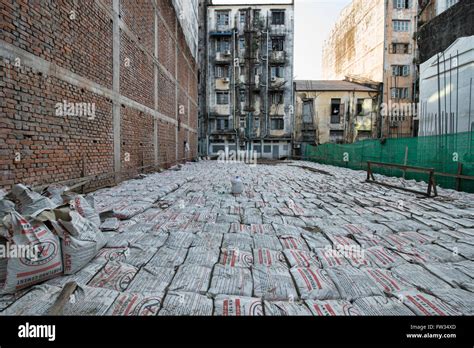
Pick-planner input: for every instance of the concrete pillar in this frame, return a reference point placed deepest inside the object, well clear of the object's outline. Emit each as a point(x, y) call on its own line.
point(116, 86)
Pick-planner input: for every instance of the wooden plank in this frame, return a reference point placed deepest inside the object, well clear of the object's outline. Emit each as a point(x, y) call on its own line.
point(62, 299)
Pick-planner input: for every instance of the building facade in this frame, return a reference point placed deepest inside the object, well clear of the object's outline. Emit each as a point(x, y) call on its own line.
point(446, 46)
point(375, 40)
point(131, 65)
point(247, 79)
point(333, 111)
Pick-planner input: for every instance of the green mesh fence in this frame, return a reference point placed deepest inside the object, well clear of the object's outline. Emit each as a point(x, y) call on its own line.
point(443, 153)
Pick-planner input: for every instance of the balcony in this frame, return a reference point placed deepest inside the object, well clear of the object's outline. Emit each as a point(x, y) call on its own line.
point(223, 84)
point(224, 57)
point(277, 57)
point(277, 83)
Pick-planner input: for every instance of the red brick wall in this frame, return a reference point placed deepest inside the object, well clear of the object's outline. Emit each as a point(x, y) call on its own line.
point(55, 148)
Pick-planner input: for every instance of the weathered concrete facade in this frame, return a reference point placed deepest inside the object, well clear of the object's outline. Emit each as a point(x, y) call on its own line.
point(374, 40)
point(248, 71)
point(439, 29)
point(130, 62)
point(333, 111)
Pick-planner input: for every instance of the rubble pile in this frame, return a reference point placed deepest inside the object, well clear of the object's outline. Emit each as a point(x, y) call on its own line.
point(294, 242)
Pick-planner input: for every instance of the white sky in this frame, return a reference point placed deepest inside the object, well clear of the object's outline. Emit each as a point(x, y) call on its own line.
point(314, 20)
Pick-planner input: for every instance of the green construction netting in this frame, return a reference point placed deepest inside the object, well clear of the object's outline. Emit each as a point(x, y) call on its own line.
point(444, 153)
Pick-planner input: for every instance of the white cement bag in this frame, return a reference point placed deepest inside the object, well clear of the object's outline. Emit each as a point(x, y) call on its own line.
point(231, 281)
point(419, 277)
point(225, 305)
point(110, 224)
point(236, 258)
point(451, 275)
point(90, 301)
point(459, 299)
point(114, 276)
point(387, 281)
point(425, 305)
point(282, 308)
point(353, 283)
point(136, 304)
point(85, 209)
point(263, 241)
point(186, 304)
point(35, 302)
point(81, 240)
point(44, 259)
point(210, 240)
point(237, 241)
point(293, 242)
point(202, 256)
point(331, 258)
point(180, 240)
point(381, 306)
point(168, 257)
point(273, 284)
point(192, 278)
point(314, 284)
point(332, 308)
point(269, 258)
point(316, 240)
point(300, 258)
point(383, 258)
point(152, 279)
point(31, 203)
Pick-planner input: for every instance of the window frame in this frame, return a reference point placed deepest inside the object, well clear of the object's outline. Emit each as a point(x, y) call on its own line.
point(280, 19)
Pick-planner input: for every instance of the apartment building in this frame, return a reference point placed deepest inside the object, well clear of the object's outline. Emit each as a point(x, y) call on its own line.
point(375, 40)
point(333, 111)
point(246, 88)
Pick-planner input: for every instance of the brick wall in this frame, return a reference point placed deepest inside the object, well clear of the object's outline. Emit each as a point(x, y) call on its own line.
point(53, 52)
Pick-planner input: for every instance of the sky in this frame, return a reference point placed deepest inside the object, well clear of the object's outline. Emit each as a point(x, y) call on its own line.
point(314, 20)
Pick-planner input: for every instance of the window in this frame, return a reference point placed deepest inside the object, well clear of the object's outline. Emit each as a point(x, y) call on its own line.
point(400, 48)
point(399, 25)
point(400, 4)
point(400, 93)
point(360, 107)
point(400, 70)
point(222, 98)
point(243, 17)
point(222, 71)
point(243, 123)
point(277, 71)
point(308, 113)
point(278, 17)
point(276, 98)
point(278, 124)
point(257, 123)
point(335, 111)
point(222, 124)
point(222, 45)
point(278, 43)
point(256, 16)
point(267, 149)
point(222, 18)
point(242, 44)
point(243, 96)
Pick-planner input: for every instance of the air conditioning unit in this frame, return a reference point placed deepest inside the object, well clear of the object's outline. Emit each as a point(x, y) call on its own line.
point(274, 79)
point(227, 53)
